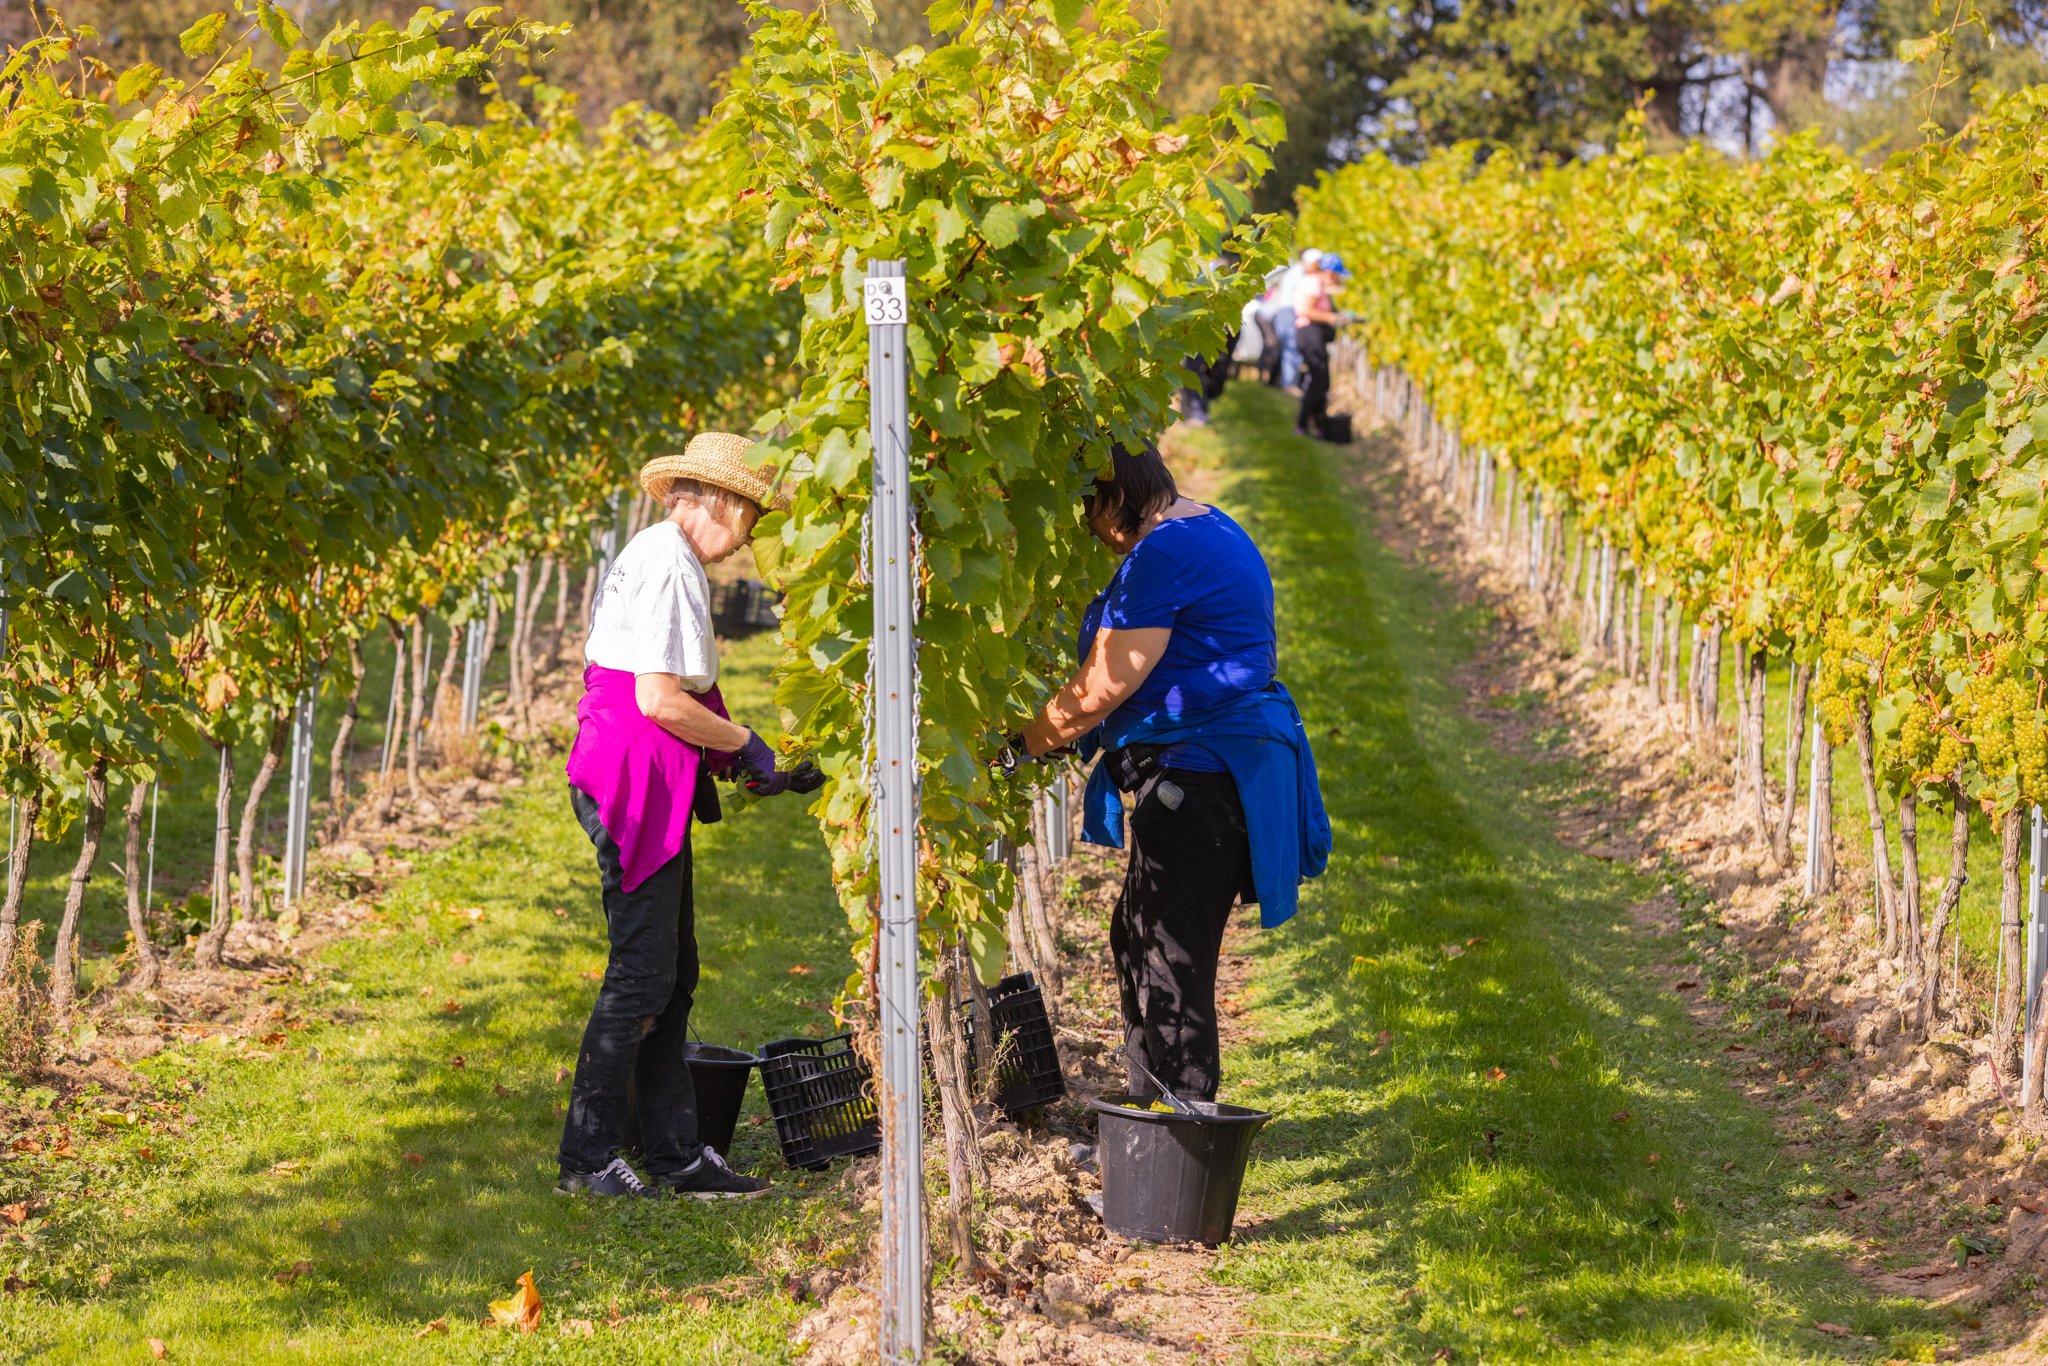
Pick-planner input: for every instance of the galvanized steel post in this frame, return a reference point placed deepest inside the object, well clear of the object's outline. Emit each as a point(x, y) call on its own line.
point(2037, 945)
point(298, 808)
point(473, 665)
point(891, 565)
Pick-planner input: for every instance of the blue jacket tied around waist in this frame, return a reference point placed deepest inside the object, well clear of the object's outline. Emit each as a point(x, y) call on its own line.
point(1260, 739)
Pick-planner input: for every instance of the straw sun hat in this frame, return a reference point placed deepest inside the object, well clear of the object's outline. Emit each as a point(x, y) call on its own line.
point(718, 458)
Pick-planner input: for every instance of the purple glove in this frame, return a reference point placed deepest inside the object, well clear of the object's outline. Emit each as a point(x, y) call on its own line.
point(756, 760)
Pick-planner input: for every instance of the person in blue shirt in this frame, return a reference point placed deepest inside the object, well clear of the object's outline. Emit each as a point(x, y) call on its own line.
point(1178, 689)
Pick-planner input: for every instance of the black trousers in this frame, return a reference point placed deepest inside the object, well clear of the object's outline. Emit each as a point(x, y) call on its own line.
point(641, 1021)
point(1188, 867)
point(1269, 351)
point(1314, 341)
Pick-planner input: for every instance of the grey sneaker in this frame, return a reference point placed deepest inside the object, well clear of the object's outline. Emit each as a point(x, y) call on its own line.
point(708, 1178)
point(617, 1179)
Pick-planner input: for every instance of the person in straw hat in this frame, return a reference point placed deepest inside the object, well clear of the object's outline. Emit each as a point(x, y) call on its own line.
point(651, 731)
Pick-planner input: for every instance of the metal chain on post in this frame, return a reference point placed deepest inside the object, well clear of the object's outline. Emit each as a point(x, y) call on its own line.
point(892, 563)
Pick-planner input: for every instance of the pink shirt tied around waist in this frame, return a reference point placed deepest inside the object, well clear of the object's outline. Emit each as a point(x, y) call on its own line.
point(642, 778)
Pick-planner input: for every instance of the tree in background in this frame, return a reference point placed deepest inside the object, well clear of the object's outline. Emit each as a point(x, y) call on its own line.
point(1546, 78)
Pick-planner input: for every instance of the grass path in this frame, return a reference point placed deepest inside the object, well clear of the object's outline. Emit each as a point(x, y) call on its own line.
point(1449, 1033)
point(416, 1190)
point(1498, 1134)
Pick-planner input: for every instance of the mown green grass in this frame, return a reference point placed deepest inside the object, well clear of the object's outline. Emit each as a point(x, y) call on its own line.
point(396, 1244)
point(1417, 1201)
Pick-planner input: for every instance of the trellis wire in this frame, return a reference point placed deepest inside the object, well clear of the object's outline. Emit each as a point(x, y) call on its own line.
point(892, 701)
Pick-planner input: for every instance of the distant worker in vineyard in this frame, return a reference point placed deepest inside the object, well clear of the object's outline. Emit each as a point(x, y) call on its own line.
point(1315, 329)
point(651, 732)
point(1177, 689)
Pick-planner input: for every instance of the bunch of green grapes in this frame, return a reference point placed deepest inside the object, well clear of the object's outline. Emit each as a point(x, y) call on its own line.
point(1841, 675)
point(2005, 729)
point(1921, 743)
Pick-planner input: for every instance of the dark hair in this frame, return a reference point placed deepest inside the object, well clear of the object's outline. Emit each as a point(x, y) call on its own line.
point(1138, 485)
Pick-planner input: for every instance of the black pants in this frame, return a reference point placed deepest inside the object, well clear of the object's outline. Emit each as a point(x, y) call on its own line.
point(1270, 351)
point(641, 1020)
point(1216, 371)
point(1314, 341)
point(1188, 867)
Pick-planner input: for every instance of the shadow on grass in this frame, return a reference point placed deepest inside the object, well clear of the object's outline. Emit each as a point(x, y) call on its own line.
point(1495, 1133)
point(419, 1188)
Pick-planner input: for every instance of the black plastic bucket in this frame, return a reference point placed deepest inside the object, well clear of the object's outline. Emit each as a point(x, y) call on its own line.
point(1173, 1178)
point(720, 1077)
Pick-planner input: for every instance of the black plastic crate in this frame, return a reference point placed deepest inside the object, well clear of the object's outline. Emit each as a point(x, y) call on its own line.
point(1027, 1063)
point(742, 607)
point(818, 1091)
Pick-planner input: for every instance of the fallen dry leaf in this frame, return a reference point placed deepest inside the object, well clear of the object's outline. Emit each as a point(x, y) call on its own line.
point(331, 1226)
point(578, 1328)
point(1840, 1199)
point(272, 1039)
point(1554, 1063)
point(592, 974)
point(561, 1075)
point(458, 1062)
point(414, 1158)
point(1475, 941)
point(286, 1168)
point(522, 1311)
point(1654, 1158)
point(1835, 1036)
point(450, 1007)
point(1833, 1329)
point(1622, 1116)
point(1520, 1311)
point(2025, 1202)
point(15, 1213)
point(1496, 1074)
point(501, 1089)
point(293, 1272)
point(459, 958)
point(562, 912)
point(158, 1350)
point(438, 1328)
point(1687, 985)
point(799, 969)
point(146, 1154)
point(1453, 950)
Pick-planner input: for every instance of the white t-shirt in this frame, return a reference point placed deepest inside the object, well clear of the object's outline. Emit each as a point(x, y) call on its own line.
point(653, 612)
point(1298, 288)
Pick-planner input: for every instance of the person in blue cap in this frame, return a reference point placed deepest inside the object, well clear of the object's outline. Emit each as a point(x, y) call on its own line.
point(1178, 689)
point(1315, 327)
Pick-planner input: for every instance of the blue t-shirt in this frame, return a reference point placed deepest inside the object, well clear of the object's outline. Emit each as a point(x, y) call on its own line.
point(1202, 578)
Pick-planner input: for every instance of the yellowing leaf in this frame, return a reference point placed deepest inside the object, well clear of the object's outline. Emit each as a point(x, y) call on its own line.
point(203, 37)
point(522, 1310)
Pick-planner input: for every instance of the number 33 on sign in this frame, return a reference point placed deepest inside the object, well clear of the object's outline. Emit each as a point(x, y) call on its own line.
point(888, 302)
